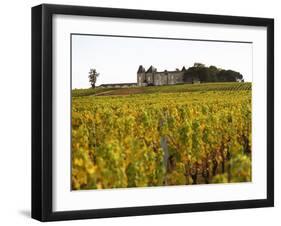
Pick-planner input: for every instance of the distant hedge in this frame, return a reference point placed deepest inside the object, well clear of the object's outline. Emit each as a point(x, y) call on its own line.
point(211, 74)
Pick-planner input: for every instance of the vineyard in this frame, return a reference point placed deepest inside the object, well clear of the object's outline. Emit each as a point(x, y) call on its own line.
point(173, 135)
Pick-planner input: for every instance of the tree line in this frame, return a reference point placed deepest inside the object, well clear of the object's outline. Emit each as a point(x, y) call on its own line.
point(211, 74)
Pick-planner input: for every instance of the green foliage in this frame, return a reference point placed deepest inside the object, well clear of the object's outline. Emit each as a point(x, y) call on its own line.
point(203, 87)
point(89, 92)
point(93, 74)
point(211, 74)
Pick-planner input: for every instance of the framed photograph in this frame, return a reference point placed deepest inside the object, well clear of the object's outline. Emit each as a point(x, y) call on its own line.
point(146, 112)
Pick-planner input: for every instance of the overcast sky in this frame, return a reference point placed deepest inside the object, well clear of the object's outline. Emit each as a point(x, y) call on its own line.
point(117, 58)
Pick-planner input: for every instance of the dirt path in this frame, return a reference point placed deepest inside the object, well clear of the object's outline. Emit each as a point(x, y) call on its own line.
point(103, 93)
point(121, 91)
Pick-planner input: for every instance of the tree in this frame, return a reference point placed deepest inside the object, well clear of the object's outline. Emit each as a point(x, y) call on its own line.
point(211, 74)
point(199, 65)
point(93, 77)
point(229, 76)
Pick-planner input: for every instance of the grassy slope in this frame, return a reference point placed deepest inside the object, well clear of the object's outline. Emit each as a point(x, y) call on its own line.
point(163, 89)
point(89, 92)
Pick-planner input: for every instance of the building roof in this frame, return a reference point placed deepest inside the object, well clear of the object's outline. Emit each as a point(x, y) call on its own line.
point(141, 69)
point(165, 71)
point(151, 69)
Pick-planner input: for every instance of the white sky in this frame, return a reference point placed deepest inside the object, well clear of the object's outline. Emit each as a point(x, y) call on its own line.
point(117, 58)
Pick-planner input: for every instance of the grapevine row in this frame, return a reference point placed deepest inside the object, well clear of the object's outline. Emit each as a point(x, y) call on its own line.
point(161, 139)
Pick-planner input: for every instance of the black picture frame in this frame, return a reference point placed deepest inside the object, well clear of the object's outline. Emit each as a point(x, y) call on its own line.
point(42, 84)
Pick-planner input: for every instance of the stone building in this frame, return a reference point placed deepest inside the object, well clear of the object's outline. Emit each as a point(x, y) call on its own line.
point(154, 78)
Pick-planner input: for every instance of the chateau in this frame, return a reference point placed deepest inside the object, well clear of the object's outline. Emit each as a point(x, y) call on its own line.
point(152, 77)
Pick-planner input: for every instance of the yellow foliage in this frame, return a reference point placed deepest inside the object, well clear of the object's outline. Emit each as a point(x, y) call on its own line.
point(121, 141)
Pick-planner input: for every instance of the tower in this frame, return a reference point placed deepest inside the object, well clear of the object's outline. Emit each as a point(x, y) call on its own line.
point(141, 75)
point(150, 75)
